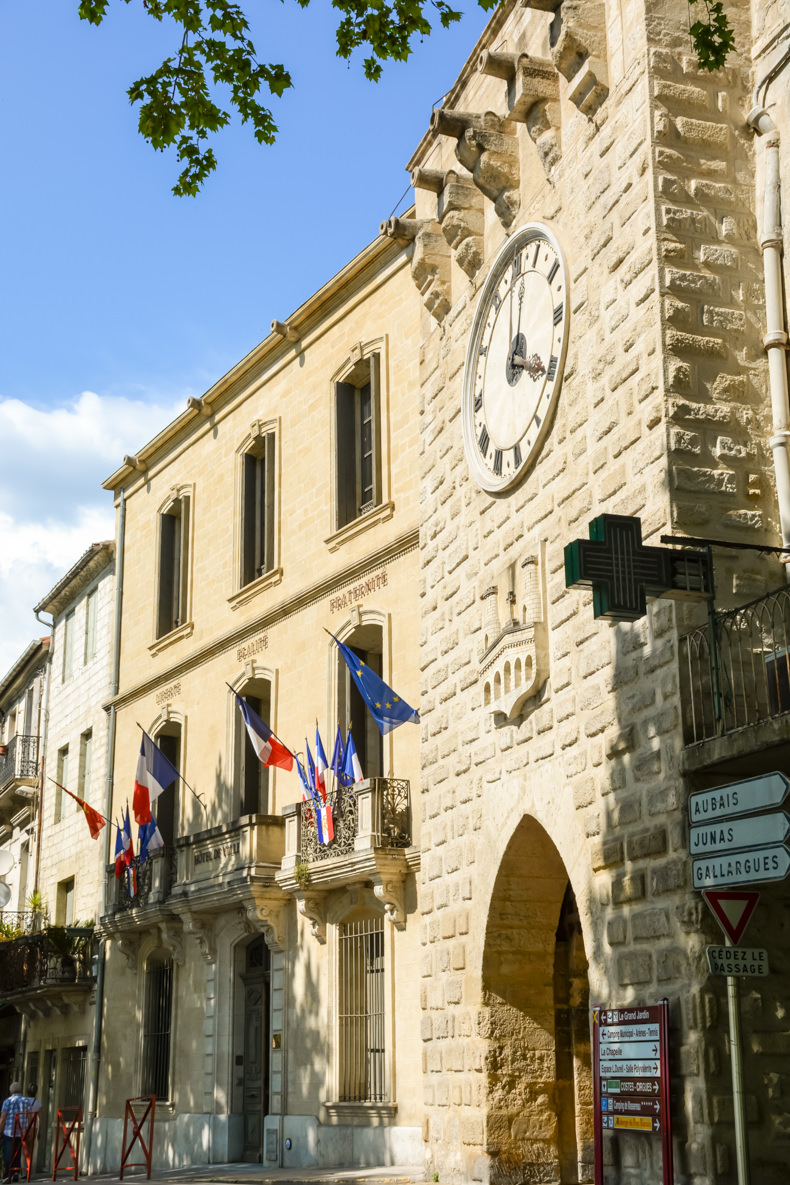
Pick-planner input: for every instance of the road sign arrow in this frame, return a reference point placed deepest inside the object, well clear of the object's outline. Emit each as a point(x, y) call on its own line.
point(656, 1125)
point(655, 1088)
point(747, 867)
point(727, 835)
point(655, 1051)
point(739, 798)
point(732, 909)
point(657, 1106)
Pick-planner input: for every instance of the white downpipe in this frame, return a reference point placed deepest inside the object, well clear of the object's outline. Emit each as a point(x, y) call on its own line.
point(775, 338)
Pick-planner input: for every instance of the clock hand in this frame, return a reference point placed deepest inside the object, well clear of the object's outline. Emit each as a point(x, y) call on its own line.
point(518, 326)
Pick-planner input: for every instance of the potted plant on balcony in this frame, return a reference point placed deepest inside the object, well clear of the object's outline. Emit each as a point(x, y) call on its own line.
point(64, 947)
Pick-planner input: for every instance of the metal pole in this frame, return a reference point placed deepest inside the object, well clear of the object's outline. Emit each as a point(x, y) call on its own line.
point(739, 1114)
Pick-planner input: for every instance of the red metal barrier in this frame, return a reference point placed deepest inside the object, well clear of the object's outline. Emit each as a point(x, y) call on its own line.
point(68, 1130)
point(25, 1127)
point(146, 1106)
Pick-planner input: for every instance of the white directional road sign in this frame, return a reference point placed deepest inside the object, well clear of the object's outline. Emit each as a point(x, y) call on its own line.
point(729, 835)
point(739, 798)
point(748, 867)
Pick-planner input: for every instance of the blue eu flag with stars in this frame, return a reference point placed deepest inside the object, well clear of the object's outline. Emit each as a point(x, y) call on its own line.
point(385, 706)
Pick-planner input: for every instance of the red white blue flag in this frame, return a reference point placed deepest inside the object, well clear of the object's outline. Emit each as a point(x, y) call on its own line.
point(155, 773)
point(270, 751)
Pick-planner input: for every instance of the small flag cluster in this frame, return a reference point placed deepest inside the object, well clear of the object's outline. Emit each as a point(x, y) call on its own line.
point(155, 772)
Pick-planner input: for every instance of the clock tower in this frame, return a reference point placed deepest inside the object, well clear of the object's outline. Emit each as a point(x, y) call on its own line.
point(587, 257)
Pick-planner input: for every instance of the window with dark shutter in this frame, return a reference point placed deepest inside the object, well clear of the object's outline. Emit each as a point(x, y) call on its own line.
point(258, 497)
point(173, 567)
point(357, 437)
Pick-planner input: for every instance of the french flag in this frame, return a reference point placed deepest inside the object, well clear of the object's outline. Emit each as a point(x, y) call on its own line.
point(154, 774)
point(325, 806)
point(351, 766)
point(149, 838)
point(264, 742)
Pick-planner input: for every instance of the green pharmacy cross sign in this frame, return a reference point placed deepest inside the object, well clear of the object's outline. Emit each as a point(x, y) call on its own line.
point(622, 572)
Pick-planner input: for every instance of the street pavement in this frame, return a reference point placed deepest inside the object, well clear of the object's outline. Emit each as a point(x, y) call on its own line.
point(258, 1174)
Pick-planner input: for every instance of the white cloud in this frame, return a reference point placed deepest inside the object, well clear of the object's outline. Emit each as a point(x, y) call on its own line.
point(52, 506)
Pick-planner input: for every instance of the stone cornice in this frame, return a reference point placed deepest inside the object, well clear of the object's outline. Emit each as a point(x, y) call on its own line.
point(391, 551)
point(89, 565)
point(314, 316)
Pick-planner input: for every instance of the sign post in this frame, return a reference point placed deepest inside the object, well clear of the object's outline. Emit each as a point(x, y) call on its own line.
point(631, 1077)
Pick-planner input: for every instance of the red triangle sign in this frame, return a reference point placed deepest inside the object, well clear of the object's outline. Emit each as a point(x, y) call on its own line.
point(732, 909)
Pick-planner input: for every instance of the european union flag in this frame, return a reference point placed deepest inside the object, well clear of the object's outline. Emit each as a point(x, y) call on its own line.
point(386, 708)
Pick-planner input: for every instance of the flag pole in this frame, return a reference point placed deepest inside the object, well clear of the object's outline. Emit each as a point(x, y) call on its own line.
point(178, 774)
point(271, 730)
point(81, 800)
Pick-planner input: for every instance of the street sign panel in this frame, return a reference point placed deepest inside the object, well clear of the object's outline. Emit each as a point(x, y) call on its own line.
point(739, 798)
point(631, 1076)
point(737, 960)
point(748, 867)
point(730, 835)
point(732, 909)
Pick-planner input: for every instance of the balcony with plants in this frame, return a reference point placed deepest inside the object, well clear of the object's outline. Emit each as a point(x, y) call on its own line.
point(44, 968)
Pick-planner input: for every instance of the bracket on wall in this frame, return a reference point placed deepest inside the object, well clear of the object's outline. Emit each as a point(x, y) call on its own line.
point(266, 912)
point(313, 907)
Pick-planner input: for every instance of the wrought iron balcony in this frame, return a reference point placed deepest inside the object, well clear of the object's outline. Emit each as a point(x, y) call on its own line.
point(18, 760)
point(735, 671)
point(143, 885)
point(57, 958)
point(372, 843)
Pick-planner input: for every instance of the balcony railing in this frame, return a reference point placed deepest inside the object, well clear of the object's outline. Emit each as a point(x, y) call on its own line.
point(59, 956)
point(144, 884)
point(14, 923)
point(18, 759)
point(735, 670)
point(375, 813)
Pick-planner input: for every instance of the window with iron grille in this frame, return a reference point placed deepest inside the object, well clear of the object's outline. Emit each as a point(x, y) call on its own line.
point(156, 1026)
point(361, 1011)
point(357, 441)
point(73, 1081)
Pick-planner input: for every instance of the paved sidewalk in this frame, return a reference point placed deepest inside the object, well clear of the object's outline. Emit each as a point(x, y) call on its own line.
point(246, 1174)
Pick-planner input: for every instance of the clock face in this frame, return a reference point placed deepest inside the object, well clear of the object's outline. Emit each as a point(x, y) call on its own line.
point(515, 358)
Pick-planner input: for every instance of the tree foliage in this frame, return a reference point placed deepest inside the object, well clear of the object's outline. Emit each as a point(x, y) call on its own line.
point(178, 105)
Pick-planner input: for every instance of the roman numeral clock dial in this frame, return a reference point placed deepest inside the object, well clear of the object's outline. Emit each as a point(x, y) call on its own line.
point(515, 358)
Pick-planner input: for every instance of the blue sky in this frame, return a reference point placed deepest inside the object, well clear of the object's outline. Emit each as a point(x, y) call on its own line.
point(118, 299)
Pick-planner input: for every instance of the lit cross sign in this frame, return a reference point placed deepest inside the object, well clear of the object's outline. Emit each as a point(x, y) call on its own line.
point(622, 572)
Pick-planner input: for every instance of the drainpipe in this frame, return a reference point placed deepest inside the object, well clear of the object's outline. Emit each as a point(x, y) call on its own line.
point(775, 339)
point(93, 1078)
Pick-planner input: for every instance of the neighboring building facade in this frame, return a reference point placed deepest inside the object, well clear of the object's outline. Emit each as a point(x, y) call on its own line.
point(263, 987)
point(22, 696)
point(586, 216)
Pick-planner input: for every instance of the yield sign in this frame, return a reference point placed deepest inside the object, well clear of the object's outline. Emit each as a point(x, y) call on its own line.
point(732, 909)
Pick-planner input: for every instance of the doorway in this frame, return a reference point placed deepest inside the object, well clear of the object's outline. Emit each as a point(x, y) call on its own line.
point(255, 979)
point(538, 1106)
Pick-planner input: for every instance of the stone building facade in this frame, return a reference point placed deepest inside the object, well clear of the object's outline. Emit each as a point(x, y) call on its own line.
point(555, 870)
point(271, 982)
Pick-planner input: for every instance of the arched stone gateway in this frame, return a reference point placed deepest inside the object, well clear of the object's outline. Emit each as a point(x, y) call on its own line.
point(535, 996)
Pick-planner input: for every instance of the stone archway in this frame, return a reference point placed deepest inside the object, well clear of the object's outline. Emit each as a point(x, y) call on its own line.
point(538, 1101)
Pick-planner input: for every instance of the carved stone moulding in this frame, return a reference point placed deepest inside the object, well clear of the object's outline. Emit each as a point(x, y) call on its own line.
point(430, 264)
point(486, 146)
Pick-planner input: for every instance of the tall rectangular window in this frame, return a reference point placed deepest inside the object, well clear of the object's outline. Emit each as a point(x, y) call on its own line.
point(68, 646)
point(64, 905)
point(91, 605)
point(173, 567)
point(63, 778)
point(86, 761)
point(361, 1012)
point(258, 496)
point(156, 1027)
point(358, 441)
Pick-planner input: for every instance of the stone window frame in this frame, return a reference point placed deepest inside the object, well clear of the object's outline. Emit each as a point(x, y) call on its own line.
point(91, 632)
point(358, 899)
point(184, 493)
point(251, 671)
point(383, 507)
point(86, 762)
point(62, 767)
point(67, 665)
point(242, 593)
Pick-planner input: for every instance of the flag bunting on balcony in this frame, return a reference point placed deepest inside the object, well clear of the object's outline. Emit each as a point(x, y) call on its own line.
point(155, 773)
point(269, 748)
point(94, 820)
point(321, 765)
point(385, 705)
point(352, 770)
point(308, 793)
